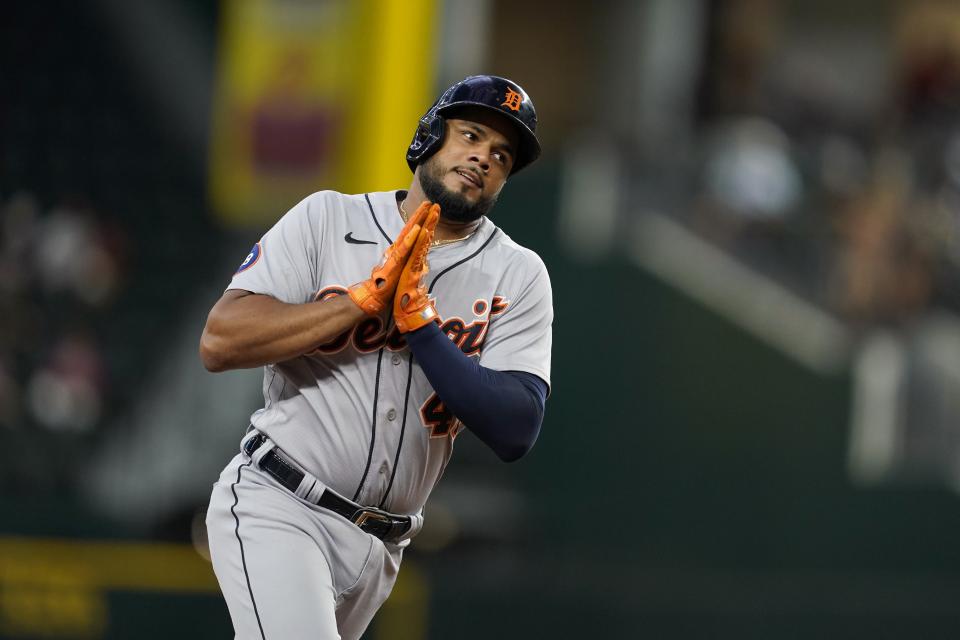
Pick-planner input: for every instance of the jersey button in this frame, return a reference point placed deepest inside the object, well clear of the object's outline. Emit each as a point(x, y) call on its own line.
point(395, 359)
point(392, 414)
point(384, 468)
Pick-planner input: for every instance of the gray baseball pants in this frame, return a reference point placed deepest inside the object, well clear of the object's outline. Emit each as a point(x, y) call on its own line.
point(290, 569)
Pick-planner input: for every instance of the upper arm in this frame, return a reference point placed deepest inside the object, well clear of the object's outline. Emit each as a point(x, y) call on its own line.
point(234, 294)
point(520, 336)
point(284, 264)
point(217, 327)
point(226, 304)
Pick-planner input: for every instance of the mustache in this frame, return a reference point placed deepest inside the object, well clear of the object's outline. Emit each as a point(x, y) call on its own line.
point(476, 174)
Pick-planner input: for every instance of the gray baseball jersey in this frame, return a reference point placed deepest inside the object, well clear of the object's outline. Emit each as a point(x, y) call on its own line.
point(358, 413)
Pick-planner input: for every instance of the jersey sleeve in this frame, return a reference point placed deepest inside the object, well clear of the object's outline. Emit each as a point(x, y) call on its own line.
point(284, 263)
point(520, 337)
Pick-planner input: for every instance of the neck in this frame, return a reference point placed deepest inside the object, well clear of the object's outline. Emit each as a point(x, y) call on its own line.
point(446, 229)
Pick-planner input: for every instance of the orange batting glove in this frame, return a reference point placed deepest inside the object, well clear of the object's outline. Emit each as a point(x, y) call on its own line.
point(375, 294)
point(412, 307)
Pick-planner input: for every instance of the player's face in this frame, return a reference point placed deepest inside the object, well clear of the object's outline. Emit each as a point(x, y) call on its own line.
point(466, 175)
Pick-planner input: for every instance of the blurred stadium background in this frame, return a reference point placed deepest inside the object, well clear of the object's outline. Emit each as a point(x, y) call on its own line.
point(750, 210)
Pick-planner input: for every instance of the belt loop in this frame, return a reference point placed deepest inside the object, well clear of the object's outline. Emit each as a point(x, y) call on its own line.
point(247, 437)
point(310, 489)
point(416, 523)
point(265, 448)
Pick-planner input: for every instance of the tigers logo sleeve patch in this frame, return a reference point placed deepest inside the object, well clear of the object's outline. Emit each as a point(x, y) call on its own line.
point(251, 258)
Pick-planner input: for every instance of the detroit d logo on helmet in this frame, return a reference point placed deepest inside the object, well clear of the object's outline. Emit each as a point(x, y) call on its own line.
point(512, 100)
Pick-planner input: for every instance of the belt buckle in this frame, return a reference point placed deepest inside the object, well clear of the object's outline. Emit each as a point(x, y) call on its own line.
point(363, 515)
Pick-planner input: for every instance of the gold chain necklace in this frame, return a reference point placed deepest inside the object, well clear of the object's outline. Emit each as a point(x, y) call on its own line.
point(436, 243)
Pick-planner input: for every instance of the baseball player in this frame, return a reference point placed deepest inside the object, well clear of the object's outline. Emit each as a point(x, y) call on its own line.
point(370, 375)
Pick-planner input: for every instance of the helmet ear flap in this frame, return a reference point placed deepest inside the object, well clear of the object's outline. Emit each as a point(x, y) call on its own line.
point(427, 139)
point(438, 126)
point(423, 129)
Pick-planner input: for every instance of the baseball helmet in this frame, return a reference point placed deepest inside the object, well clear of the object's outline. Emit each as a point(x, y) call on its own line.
point(490, 92)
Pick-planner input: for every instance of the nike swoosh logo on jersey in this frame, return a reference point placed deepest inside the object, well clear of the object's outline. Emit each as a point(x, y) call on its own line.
point(349, 238)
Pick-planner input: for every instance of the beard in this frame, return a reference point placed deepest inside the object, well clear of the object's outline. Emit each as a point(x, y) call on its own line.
point(453, 206)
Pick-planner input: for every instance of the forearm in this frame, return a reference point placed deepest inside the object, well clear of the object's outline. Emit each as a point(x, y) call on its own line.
point(247, 330)
point(503, 409)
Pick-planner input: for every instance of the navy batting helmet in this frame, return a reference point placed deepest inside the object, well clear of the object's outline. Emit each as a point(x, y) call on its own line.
point(490, 92)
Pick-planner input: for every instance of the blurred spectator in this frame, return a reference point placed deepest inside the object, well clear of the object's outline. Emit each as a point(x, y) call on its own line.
point(752, 188)
point(806, 175)
point(749, 172)
point(884, 263)
point(59, 273)
point(73, 258)
point(65, 393)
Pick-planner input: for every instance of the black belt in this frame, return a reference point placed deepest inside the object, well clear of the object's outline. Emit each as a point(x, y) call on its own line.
point(376, 522)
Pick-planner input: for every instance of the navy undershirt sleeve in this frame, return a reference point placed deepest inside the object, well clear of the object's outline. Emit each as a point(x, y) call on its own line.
point(503, 408)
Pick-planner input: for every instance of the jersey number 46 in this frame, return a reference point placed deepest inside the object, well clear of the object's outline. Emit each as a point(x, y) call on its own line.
point(439, 419)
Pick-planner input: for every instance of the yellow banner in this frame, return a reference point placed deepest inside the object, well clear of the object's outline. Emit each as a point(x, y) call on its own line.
point(315, 95)
point(58, 588)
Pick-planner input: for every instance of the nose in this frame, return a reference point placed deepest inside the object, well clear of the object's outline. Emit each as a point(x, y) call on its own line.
point(481, 157)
